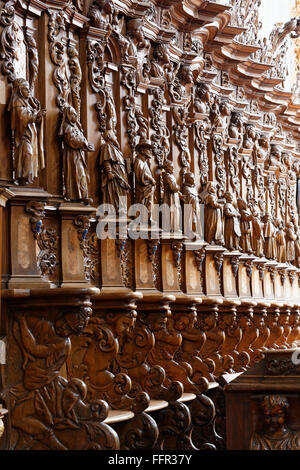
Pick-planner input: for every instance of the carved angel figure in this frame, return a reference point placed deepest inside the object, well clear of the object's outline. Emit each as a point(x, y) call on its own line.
point(27, 126)
point(232, 231)
point(76, 176)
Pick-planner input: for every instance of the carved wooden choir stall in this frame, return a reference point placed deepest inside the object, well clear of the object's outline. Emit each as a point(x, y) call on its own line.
point(145, 337)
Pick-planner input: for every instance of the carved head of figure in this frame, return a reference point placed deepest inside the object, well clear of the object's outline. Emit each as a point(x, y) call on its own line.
point(22, 88)
point(160, 53)
point(169, 167)
point(274, 408)
point(182, 321)
point(210, 320)
point(242, 204)
point(185, 75)
point(259, 320)
point(211, 187)
point(250, 136)
point(227, 320)
point(295, 318)
point(275, 154)
point(272, 319)
point(145, 149)
point(158, 321)
point(284, 318)
point(225, 108)
point(189, 179)
point(202, 92)
point(135, 30)
point(244, 320)
point(123, 323)
point(228, 197)
point(73, 322)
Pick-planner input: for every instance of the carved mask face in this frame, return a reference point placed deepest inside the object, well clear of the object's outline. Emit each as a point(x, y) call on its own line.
point(274, 417)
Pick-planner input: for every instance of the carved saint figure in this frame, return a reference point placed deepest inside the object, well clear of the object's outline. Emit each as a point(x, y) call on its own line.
point(145, 183)
point(257, 234)
point(270, 239)
point(280, 240)
point(190, 197)
point(297, 247)
point(291, 237)
point(114, 179)
point(27, 126)
point(172, 196)
point(263, 148)
point(232, 231)
point(213, 225)
point(246, 218)
point(76, 176)
point(275, 434)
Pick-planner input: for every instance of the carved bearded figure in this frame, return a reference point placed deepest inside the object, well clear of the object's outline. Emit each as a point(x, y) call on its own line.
point(27, 126)
point(76, 176)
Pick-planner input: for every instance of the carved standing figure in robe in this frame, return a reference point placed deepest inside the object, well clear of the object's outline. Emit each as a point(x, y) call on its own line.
point(246, 218)
point(172, 196)
point(76, 177)
point(213, 225)
point(232, 231)
point(291, 237)
point(114, 179)
point(270, 238)
point(190, 197)
point(27, 126)
point(144, 181)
